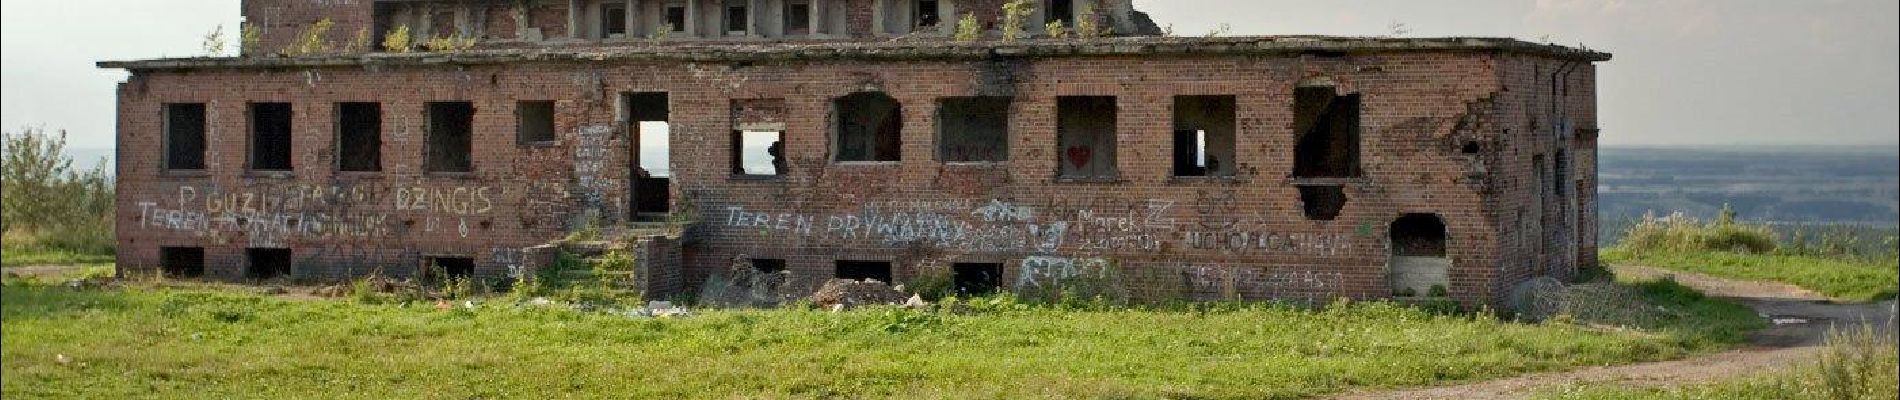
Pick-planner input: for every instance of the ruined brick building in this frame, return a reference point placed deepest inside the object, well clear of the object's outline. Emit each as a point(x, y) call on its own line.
point(863, 139)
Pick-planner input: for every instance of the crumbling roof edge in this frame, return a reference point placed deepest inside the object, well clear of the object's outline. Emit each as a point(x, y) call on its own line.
point(891, 50)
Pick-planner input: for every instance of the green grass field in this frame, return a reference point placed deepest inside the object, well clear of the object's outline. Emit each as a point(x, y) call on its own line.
point(1835, 277)
point(145, 341)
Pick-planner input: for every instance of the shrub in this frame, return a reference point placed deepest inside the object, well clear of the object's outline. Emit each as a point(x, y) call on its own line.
point(313, 39)
point(968, 30)
point(1680, 233)
point(1014, 13)
point(397, 40)
point(45, 204)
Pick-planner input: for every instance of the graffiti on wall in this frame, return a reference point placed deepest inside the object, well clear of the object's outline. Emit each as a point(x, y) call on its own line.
point(268, 215)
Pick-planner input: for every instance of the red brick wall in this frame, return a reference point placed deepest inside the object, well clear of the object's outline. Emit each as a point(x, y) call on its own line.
point(1547, 105)
point(280, 21)
point(1154, 235)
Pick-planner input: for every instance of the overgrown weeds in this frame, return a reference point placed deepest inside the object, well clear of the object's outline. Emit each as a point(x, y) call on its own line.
point(1837, 266)
point(49, 211)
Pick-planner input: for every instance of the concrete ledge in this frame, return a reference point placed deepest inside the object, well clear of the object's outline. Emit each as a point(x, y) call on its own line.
point(890, 50)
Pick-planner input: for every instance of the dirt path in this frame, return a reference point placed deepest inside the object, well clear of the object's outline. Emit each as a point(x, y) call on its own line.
point(1801, 317)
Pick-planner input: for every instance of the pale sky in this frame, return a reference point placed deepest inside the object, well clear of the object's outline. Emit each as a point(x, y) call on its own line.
point(1686, 71)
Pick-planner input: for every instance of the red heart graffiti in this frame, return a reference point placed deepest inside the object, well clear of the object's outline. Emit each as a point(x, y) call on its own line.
point(1079, 156)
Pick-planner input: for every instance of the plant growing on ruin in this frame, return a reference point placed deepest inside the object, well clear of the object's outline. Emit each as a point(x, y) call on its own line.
point(359, 42)
point(1221, 30)
point(1088, 29)
point(439, 44)
point(397, 40)
point(312, 39)
point(662, 32)
point(1056, 29)
point(968, 30)
point(1015, 13)
point(214, 42)
point(248, 39)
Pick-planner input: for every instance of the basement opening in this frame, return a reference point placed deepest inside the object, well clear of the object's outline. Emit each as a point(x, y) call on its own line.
point(1418, 235)
point(449, 267)
point(861, 270)
point(1085, 137)
point(647, 115)
point(534, 122)
point(451, 136)
point(266, 263)
point(1418, 263)
point(1328, 127)
point(1204, 136)
point(973, 129)
point(182, 262)
point(870, 127)
point(768, 265)
point(758, 153)
point(270, 136)
point(359, 132)
point(975, 279)
point(1322, 202)
point(185, 136)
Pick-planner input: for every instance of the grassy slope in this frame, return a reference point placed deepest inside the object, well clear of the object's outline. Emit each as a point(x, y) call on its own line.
point(20, 257)
point(168, 343)
point(1850, 280)
point(1859, 372)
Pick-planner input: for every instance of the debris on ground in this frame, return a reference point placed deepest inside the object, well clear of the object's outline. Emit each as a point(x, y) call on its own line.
point(659, 309)
point(851, 294)
point(743, 286)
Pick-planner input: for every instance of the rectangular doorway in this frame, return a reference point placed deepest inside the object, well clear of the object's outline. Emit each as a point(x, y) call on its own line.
point(647, 115)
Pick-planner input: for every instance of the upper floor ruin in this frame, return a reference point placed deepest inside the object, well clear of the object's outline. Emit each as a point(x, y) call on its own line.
point(363, 25)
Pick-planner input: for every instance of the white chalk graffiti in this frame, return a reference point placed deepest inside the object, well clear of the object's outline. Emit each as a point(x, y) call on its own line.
point(1048, 271)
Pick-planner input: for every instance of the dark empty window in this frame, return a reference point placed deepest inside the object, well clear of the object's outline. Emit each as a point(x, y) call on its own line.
point(264, 263)
point(185, 136)
point(451, 137)
point(977, 278)
point(1204, 136)
point(797, 18)
point(758, 153)
point(534, 121)
point(270, 136)
point(1085, 136)
point(182, 262)
point(736, 16)
point(450, 267)
point(768, 265)
point(1322, 202)
point(1328, 128)
point(927, 14)
point(359, 130)
point(1060, 10)
point(973, 129)
point(443, 24)
point(870, 127)
point(1418, 235)
point(613, 19)
point(861, 270)
point(676, 18)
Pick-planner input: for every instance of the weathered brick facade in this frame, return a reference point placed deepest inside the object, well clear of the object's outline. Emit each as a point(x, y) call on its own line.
point(1493, 137)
